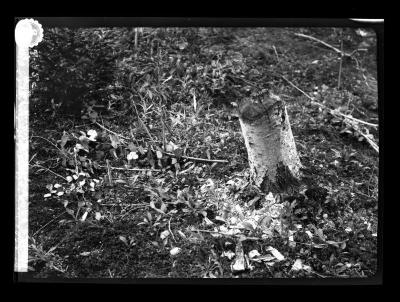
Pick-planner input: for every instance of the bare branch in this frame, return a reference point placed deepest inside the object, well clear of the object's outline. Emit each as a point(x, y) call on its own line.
point(370, 141)
point(337, 113)
point(199, 159)
point(47, 169)
point(108, 130)
point(330, 110)
point(325, 44)
point(130, 169)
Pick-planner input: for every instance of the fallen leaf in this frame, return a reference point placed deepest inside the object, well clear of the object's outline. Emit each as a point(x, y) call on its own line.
point(92, 135)
point(164, 234)
point(253, 253)
point(275, 253)
point(84, 216)
point(114, 141)
point(249, 225)
point(181, 234)
point(297, 265)
point(97, 216)
point(208, 221)
point(132, 155)
point(64, 140)
point(239, 265)
point(175, 251)
point(310, 235)
point(123, 239)
point(228, 254)
point(240, 261)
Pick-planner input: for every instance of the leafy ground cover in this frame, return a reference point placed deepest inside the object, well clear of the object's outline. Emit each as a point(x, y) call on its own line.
point(138, 166)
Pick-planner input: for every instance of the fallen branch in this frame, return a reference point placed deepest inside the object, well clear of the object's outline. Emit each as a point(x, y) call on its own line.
point(325, 44)
point(171, 154)
point(319, 275)
point(134, 207)
point(370, 141)
point(141, 121)
point(130, 169)
point(47, 169)
point(325, 107)
point(47, 141)
point(225, 234)
point(198, 159)
point(169, 229)
point(276, 53)
point(245, 81)
point(109, 172)
point(108, 130)
point(47, 224)
point(334, 112)
point(146, 129)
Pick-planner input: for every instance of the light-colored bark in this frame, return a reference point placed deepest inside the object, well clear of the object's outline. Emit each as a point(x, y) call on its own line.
point(273, 159)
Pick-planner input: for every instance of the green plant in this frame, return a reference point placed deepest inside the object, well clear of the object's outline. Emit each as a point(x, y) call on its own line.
point(38, 257)
point(71, 66)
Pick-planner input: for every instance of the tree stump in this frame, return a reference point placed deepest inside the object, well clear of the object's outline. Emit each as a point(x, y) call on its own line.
point(273, 159)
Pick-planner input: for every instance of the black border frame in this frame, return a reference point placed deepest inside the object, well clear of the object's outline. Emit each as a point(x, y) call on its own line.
point(76, 22)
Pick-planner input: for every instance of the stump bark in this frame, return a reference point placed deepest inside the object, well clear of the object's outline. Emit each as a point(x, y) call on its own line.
point(273, 159)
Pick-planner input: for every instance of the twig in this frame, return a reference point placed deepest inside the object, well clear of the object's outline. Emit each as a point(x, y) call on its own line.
point(360, 193)
point(163, 129)
point(169, 129)
point(132, 136)
point(199, 159)
point(47, 141)
point(324, 43)
point(47, 224)
point(325, 107)
point(47, 169)
point(136, 37)
point(333, 112)
point(140, 120)
point(276, 53)
point(145, 128)
point(32, 157)
point(169, 229)
point(352, 118)
point(109, 171)
point(371, 142)
point(216, 232)
point(341, 60)
point(245, 81)
point(319, 275)
point(134, 207)
point(297, 88)
point(167, 79)
point(130, 169)
point(108, 130)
